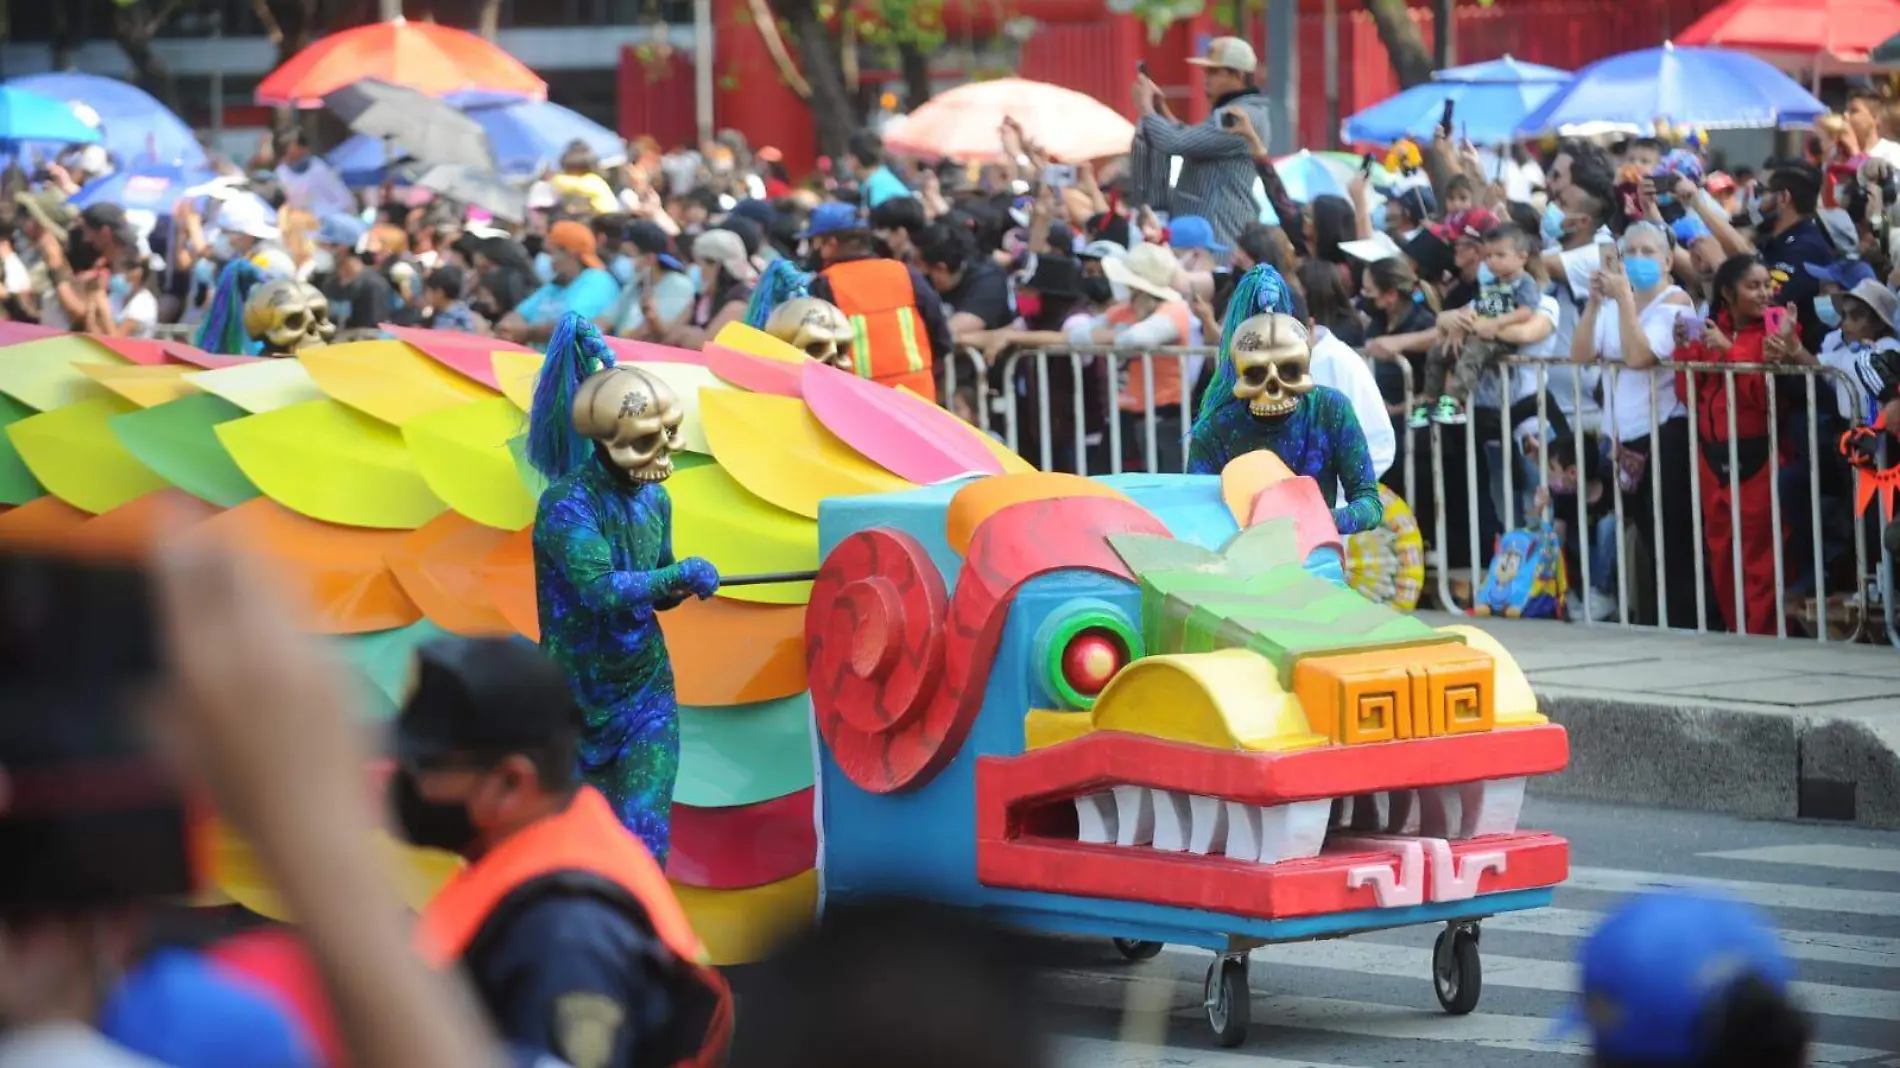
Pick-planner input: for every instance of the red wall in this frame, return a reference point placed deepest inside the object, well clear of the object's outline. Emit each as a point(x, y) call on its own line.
point(1080, 47)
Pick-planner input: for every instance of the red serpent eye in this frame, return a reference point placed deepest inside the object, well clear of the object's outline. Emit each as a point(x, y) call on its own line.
point(1090, 659)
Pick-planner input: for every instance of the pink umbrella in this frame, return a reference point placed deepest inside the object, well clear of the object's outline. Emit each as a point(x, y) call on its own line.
point(962, 123)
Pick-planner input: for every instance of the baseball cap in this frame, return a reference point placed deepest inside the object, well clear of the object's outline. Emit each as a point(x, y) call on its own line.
point(180, 1009)
point(248, 214)
point(483, 695)
point(832, 218)
point(1103, 250)
point(1228, 53)
point(341, 230)
point(1469, 225)
point(1193, 232)
point(1417, 201)
point(576, 239)
point(1659, 963)
point(50, 209)
point(1844, 273)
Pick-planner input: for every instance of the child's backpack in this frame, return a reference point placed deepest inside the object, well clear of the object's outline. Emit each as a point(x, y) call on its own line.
point(1526, 579)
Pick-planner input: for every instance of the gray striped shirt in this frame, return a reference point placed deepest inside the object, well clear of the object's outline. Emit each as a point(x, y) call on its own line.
point(1217, 170)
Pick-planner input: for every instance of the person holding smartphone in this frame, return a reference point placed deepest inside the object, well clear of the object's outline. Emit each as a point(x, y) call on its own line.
point(1217, 173)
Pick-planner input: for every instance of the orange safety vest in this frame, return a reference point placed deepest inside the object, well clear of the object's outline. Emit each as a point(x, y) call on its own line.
point(586, 839)
point(889, 340)
point(1167, 369)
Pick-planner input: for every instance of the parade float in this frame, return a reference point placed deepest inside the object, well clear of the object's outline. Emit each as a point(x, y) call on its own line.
point(1123, 706)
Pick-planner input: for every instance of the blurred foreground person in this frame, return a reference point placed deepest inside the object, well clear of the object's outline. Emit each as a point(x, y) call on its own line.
point(568, 929)
point(894, 983)
point(1681, 980)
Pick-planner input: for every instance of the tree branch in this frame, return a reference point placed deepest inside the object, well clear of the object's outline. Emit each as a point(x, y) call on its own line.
point(272, 28)
point(767, 25)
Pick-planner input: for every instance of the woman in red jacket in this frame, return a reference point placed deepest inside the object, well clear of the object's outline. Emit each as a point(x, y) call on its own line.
point(1735, 334)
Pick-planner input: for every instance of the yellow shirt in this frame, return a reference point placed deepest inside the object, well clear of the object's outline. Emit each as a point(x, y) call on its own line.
point(592, 187)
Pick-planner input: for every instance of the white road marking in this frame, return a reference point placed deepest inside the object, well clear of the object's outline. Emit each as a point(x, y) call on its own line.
point(1846, 858)
point(1821, 946)
point(1374, 1020)
point(1765, 895)
point(1102, 1053)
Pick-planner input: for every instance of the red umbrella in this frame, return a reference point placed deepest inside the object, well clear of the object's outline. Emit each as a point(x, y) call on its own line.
point(1843, 31)
point(423, 56)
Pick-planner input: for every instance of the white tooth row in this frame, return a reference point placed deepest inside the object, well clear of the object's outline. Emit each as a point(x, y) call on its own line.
point(1467, 810)
point(1190, 823)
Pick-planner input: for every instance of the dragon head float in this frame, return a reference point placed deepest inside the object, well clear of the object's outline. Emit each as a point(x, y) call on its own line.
point(1129, 701)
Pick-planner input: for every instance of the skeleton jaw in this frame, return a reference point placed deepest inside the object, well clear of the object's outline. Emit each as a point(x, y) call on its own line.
point(1267, 408)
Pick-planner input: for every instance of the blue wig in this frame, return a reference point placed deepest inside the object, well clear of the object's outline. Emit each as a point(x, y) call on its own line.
point(781, 282)
point(222, 331)
point(1259, 291)
point(575, 351)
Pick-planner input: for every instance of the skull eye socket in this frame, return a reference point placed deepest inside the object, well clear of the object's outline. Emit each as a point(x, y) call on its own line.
point(818, 350)
point(1254, 375)
point(647, 442)
point(295, 321)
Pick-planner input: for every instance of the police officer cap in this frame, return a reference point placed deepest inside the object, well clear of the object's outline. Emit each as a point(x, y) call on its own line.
point(484, 695)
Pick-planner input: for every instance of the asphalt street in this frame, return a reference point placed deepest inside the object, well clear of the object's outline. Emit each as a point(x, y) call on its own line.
point(1834, 893)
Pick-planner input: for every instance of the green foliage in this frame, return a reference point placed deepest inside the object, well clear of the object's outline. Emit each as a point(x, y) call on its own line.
point(889, 24)
point(1158, 15)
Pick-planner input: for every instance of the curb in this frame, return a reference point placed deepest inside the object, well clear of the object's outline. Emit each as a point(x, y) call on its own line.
point(1744, 763)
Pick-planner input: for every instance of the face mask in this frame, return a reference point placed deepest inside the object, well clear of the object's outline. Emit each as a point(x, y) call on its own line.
point(1029, 305)
point(1644, 273)
point(301, 166)
point(544, 268)
point(1486, 275)
point(1762, 209)
point(1552, 224)
point(1664, 200)
point(624, 269)
point(222, 249)
point(698, 276)
point(429, 824)
point(204, 273)
point(1825, 311)
point(117, 287)
point(1097, 290)
point(323, 261)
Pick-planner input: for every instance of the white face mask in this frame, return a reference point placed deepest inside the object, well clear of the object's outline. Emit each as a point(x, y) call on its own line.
point(222, 249)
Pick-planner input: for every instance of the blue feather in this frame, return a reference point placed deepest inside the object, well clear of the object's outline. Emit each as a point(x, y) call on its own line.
point(575, 351)
point(222, 330)
point(781, 282)
point(1260, 290)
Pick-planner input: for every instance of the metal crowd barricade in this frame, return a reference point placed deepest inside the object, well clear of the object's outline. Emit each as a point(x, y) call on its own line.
point(1507, 501)
point(976, 373)
point(1023, 366)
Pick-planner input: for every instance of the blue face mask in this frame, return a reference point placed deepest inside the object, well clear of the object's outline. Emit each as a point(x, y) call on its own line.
point(1552, 225)
point(624, 268)
point(204, 273)
point(1644, 273)
point(1664, 200)
point(1825, 311)
point(544, 268)
point(1486, 275)
point(117, 287)
point(696, 275)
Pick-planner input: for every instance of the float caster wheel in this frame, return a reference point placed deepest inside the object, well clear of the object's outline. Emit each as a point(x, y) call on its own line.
point(1228, 1000)
point(1136, 949)
point(1457, 972)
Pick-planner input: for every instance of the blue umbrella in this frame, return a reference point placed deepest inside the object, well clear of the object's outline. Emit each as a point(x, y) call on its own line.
point(527, 136)
point(153, 187)
point(1485, 112)
point(134, 125)
point(28, 116)
point(1711, 88)
point(1307, 176)
point(1506, 69)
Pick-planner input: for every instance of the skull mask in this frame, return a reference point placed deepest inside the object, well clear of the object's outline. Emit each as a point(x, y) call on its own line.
point(815, 327)
point(636, 419)
point(1271, 364)
point(287, 315)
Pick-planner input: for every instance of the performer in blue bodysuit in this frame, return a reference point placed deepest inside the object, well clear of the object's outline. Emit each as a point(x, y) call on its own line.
point(604, 436)
point(1263, 396)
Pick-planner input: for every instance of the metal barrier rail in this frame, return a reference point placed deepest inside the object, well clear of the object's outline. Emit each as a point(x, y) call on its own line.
point(1011, 378)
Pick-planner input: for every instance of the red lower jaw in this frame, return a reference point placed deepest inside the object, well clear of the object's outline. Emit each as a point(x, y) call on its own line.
point(1345, 878)
point(1024, 842)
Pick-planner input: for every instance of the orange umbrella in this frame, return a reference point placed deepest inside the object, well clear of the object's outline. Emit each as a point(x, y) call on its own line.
point(1843, 31)
point(423, 56)
point(962, 123)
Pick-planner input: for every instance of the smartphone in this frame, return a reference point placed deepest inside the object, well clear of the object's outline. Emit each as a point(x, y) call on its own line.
point(1059, 175)
point(1444, 120)
point(1774, 318)
point(1366, 165)
point(1692, 324)
point(1612, 258)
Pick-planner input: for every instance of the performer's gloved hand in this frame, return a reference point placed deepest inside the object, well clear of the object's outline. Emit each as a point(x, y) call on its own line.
point(698, 576)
